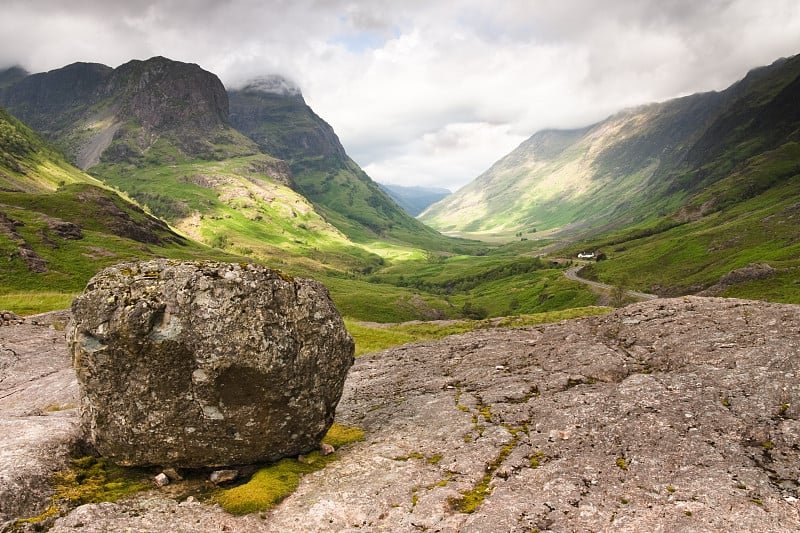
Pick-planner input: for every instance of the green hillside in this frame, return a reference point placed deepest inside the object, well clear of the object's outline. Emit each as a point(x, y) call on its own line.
point(28, 164)
point(751, 217)
point(279, 121)
point(59, 226)
point(695, 194)
point(242, 207)
point(637, 165)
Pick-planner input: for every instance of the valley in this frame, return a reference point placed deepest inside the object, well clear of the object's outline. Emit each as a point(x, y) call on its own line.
point(673, 194)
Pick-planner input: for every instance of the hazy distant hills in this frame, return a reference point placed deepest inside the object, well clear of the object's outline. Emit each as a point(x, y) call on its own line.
point(414, 200)
point(635, 166)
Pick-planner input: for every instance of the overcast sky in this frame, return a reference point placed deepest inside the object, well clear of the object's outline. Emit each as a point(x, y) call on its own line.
point(426, 92)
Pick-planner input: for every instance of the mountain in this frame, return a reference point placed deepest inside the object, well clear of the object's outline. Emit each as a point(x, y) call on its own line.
point(143, 111)
point(29, 164)
point(699, 193)
point(635, 166)
point(122, 124)
point(58, 225)
point(160, 132)
point(273, 113)
point(12, 75)
point(414, 200)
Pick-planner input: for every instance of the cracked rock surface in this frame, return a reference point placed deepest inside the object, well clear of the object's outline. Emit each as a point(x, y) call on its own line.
point(38, 412)
point(670, 415)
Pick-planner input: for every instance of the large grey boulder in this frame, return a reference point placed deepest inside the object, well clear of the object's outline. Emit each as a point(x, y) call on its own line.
point(206, 364)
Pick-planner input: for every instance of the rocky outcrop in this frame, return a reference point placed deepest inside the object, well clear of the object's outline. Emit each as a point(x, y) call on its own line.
point(38, 413)
point(206, 364)
point(33, 261)
point(8, 318)
point(668, 415)
point(96, 113)
point(274, 114)
point(751, 272)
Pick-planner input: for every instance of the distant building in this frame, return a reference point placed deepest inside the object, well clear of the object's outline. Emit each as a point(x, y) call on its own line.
point(584, 255)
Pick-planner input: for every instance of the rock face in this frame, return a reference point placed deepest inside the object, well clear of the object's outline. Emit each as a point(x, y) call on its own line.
point(38, 412)
point(206, 364)
point(669, 415)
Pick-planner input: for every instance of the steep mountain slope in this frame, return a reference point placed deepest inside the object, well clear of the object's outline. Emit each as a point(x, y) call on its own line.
point(28, 164)
point(138, 126)
point(11, 76)
point(635, 166)
point(143, 109)
point(414, 200)
point(58, 225)
point(187, 165)
point(273, 113)
point(739, 237)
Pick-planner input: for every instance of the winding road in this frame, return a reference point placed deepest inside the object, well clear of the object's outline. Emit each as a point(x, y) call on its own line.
point(572, 274)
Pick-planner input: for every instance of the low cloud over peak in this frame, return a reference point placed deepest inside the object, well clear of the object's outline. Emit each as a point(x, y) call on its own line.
point(426, 93)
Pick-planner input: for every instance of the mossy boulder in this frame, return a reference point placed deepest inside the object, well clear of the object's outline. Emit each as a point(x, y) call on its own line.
point(201, 364)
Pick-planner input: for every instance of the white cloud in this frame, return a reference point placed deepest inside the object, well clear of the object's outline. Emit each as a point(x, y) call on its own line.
point(427, 92)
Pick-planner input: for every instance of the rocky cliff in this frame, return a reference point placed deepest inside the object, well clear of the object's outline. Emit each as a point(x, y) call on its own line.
point(670, 415)
point(94, 112)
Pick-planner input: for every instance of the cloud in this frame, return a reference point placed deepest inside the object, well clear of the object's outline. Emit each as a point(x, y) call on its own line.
point(428, 92)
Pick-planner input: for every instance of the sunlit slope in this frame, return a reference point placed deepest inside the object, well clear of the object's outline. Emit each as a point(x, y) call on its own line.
point(284, 125)
point(635, 166)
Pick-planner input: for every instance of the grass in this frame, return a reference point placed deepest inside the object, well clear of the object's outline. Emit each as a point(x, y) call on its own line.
point(695, 255)
point(33, 302)
point(275, 482)
point(373, 337)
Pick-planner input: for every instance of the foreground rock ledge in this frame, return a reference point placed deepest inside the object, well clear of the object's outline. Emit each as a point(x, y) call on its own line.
point(206, 364)
point(671, 415)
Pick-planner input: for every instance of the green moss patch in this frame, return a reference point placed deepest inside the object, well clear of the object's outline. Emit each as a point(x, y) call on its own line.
point(94, 480)
point(88, 480)
point(275, 482)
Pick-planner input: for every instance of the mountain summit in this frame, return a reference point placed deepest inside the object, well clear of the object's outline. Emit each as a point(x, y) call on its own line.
point(94, 112)
point(274, 114)
point(273, 84)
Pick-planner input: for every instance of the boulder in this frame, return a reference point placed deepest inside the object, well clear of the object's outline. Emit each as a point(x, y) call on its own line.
point(205, 364)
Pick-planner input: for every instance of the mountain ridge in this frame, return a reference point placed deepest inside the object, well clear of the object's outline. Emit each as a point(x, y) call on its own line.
point(162, 112)
point(414, 199)
point(655, 151)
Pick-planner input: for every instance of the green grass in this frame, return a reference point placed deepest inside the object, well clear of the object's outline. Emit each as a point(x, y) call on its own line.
point(34, 302)
point(273, 483)
point(373, 338)
point(695, 255)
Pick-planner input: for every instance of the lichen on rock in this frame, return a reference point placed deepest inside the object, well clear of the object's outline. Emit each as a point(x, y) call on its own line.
point(202, 364)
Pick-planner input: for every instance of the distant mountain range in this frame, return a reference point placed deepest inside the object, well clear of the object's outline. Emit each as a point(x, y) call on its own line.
point(414, 200)
point(697, 193)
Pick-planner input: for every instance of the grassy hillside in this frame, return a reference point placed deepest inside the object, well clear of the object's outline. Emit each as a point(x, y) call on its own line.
point(283, 125)
point(29, 164)
point(635, 167)
point(58, 227)
point(750, 217)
